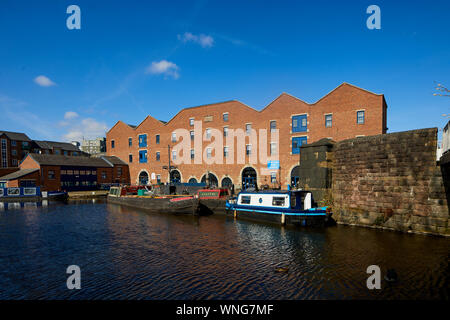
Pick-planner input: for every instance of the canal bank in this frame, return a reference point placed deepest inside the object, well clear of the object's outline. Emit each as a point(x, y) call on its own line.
point(125, 253)
point(390, 181)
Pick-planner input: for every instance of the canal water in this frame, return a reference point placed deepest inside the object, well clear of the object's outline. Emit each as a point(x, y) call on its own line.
point(125, 253)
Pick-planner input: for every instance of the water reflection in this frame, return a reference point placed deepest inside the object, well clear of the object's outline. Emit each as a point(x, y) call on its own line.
point(129, 254)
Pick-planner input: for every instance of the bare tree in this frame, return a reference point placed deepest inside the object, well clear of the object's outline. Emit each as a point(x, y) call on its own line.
point(443, 91)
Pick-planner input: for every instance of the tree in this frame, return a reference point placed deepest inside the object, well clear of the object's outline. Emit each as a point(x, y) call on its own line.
point(443, 91)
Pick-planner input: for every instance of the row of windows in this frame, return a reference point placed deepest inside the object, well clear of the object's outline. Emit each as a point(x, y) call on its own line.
point(299, 124)
point(78, 183)
point(79, 172)
point(225, 117)
point(248, 151)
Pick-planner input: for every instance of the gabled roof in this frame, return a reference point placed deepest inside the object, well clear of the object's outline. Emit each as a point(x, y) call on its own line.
point(58, 145)
point(284, 94)
point(15, 135)
point(17, 174)
point(60, 160)
point(113, 160)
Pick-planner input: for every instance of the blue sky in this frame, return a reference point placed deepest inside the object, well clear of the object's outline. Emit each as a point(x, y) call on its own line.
point(134, 58)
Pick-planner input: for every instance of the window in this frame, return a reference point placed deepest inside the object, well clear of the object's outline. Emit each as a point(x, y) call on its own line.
point(158, 156)
point(88, 172)
point(13, 143)
point(192, 154)
point(104, 175)
point(273, 148)
point(112, 144)
point(75, 154)
point(14, 162)
point(208, 153)
point(208, 133)
point(299, 123)
point(94, 172)
point(14, 152)
point(76, 172)
point(273, 177)
point(278, 201)
point(174, 137)
point(119, 171)
point(296, 143)
point(273, 125)
point(157, 139)
point(4, 156)
point(69, 172)
point(225, 131)
point(142, 140)
point(174, 155)
point(130, 158)
point(192, 135)
point(65, 153)
point(245, 200)
point(82, 172)
point(248, 149)
point(24, 144)
point(248, 128)
point(51, 174)
point(225, 116)
point(191, 122)
point(130, 142)
point(225, 152)
point(328, 120)
point(143, 156)
point(360, 117)
point(158, 178)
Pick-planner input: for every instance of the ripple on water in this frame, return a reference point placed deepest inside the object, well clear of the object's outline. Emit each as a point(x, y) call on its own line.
point(127, 254)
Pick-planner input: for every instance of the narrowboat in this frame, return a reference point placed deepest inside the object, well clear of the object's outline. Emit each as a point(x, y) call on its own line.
point(153, 203)
point(213, 200)
point(286, 207)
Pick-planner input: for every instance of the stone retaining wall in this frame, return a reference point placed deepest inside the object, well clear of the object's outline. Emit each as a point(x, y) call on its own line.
point(391, 181)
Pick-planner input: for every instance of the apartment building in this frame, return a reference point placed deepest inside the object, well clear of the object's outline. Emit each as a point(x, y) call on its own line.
point(345, 112)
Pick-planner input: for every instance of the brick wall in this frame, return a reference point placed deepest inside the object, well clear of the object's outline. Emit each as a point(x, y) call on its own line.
point(342, 103)
point(390, 181)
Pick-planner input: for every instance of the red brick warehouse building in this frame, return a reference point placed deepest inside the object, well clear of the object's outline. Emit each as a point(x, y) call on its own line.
point(346, 112)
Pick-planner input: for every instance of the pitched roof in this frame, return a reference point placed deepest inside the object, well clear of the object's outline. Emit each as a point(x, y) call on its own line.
point(15, 135)
point(344, 84)
point(60, 160)
point(113, 160)
point(18, 174)
point(58, 145)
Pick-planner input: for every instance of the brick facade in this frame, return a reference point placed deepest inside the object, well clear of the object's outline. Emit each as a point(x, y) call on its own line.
point(342, 104)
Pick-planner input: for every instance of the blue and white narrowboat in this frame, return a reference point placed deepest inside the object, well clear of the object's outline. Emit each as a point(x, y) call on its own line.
point(286, 207)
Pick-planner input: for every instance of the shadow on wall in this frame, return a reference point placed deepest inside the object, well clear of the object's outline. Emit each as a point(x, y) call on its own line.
point(445, 170)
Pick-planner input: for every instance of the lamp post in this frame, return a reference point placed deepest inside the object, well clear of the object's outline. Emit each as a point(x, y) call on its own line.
point(169, 168)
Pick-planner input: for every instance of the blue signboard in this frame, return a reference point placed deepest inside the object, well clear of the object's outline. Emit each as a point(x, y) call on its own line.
point(273, 164)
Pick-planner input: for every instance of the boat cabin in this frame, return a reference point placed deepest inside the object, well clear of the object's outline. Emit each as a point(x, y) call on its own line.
point(296, 199)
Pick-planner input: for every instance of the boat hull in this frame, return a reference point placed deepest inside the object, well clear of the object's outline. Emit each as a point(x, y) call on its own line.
point(317, 219)
point(159, 205)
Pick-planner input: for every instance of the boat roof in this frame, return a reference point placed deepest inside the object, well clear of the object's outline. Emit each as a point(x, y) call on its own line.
point(273, 191)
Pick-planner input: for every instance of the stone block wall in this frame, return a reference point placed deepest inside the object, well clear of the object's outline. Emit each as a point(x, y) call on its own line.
point(315, 168)
point(391, 181)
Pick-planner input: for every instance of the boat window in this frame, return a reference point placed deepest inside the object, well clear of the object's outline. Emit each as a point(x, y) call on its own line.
point(293, 200)
point(245, 199)
point(278, 201)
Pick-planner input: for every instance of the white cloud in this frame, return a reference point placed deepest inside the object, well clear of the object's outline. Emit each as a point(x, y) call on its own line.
point(70, 115)
point(164, 67)
point(202, 39)
point(43, 81)
point(88, 128)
